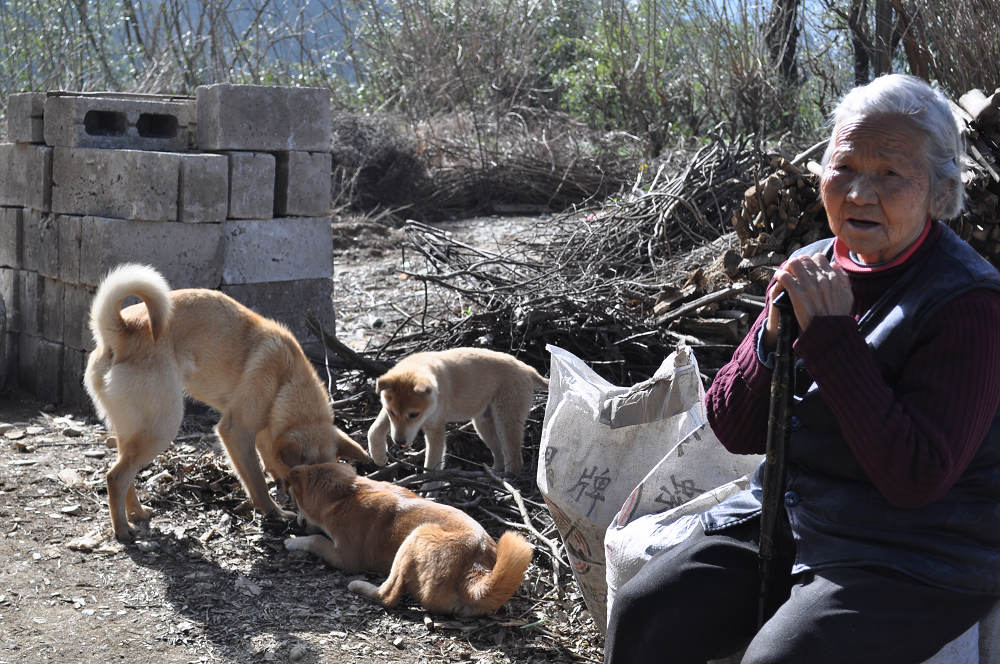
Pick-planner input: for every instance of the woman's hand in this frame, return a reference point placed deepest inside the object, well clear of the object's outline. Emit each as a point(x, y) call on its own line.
point(815, 287)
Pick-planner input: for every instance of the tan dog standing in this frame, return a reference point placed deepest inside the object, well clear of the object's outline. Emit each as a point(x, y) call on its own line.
point(207, 345)
point(436, 553)
point(427, 390)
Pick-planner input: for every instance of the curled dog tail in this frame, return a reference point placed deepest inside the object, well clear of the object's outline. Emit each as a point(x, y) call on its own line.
point(491, 590)
point(142, 281)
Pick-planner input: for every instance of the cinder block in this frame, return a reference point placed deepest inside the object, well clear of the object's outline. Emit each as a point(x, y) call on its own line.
point(188, 255)
point(251, 185)
point(119, 121)
point(8, 360)
point(41, 243)
point(11, 237)
point(25, 112)
point(39, 367)
point(29, 295)
point(74, 364)
point(265, 118)
point(290, 302)
point(277, 250)
point(76, 317)
point(204, 187)
point(51, 310)
point(123, 184)
point(10, 291)
point(69, 247)
point(26, 175)
point(302, 184)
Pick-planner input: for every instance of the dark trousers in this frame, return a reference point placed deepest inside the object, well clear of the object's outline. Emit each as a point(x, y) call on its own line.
point(698, 601)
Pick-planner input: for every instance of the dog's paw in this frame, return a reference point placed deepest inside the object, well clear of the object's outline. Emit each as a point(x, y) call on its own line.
point(294, 544)
point(142, 514)
point(363, 588)
point(279, 513)
point(297, 543)
point(126, 535)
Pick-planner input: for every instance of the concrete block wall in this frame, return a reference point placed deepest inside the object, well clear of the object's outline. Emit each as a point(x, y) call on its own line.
point(228, 189)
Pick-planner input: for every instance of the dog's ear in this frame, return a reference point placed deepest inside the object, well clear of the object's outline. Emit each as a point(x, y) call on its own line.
point(333, 480)
point(424, 385)
point(383, 383)
point(297, 478)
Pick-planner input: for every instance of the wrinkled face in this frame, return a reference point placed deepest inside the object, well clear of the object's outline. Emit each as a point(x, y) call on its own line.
point(876, 186)
point(408, 403)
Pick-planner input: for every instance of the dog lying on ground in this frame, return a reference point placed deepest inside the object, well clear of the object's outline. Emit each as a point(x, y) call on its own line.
point(434, 552)
point(427, 390)
point(207, 345)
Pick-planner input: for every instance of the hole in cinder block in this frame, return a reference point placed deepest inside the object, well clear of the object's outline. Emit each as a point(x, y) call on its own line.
point(157, 125)
point(105, 123)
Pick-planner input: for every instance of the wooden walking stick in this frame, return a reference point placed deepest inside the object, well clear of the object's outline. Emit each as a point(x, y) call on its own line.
point(775, 459)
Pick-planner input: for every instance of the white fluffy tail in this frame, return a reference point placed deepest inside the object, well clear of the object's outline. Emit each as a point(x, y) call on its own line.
point(141, 281)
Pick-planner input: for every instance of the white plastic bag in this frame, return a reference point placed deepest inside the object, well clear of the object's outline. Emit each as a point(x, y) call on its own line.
point(602, 444)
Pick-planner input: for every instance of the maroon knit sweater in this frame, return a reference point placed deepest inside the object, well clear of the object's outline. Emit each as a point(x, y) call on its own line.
point(913, 440)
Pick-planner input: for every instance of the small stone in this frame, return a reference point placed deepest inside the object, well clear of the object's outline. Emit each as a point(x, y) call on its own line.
point(5, 427)
point(70, 477)
point(398, 642)
point(70, 432)
point(14, 434)
point(86, 544)
point(247, 587)
point(34, 431)
point(147, 546)
point(94, 454)
point(297, 652)
point(24, 446)
point(185, 626)
point(71, 509)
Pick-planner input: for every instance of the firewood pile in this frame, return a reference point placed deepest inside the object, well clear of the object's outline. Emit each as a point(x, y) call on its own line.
point(980, 224)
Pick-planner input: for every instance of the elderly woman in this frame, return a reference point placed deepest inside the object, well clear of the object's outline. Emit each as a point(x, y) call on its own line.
point(891, 524)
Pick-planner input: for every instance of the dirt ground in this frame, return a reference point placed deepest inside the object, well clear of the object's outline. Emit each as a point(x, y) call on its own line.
point(209, 580)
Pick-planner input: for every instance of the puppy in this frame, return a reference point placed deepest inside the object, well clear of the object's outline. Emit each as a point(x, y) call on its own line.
point(434, 552)
point(427, 390)
point(207, 345)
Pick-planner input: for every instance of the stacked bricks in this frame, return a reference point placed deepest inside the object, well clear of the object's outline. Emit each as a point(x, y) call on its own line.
point(229, 190)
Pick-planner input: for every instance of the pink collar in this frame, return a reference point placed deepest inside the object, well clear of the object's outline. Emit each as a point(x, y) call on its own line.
point(849, 263)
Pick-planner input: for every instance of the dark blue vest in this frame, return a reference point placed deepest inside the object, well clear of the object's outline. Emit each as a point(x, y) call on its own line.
point(836, 514)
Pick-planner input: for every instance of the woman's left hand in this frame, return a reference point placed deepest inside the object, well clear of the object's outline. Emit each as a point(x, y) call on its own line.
point(815, 287)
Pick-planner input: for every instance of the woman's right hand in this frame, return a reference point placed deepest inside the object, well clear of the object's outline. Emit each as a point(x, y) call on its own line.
point(816, 288)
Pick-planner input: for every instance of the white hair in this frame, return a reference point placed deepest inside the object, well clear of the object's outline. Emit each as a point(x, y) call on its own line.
point(913, 98)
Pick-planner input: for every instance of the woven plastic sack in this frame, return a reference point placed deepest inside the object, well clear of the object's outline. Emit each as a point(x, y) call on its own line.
point(603, 444)
point(632, 538)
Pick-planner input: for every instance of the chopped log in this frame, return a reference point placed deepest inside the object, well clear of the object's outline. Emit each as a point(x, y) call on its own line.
point(721, 329)
point(694, 305)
